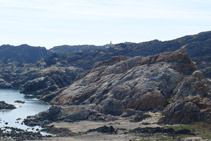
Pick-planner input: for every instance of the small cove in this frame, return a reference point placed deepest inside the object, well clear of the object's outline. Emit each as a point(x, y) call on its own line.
point(14, 118)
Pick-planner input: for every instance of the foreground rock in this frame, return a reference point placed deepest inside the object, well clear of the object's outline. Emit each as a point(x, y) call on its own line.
point(59, 132)
point(4, 105)
point(10, 133)
point(68, 114)
point(104, 129)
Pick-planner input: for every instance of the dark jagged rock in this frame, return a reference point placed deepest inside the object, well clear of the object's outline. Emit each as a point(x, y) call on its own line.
point(139, 117)
point(4, 105)
point(135, 115)
point(59, 132)
point(104, 129)
point(19, 101)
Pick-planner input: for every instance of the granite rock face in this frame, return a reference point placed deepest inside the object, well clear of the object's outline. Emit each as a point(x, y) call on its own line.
point(131, 82)
point(141, 84)
point(168, 82)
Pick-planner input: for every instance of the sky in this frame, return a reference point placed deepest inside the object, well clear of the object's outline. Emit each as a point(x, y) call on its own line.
point(51, 23)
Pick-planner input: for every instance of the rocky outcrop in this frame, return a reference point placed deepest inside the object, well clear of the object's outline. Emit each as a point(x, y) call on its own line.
point(4, 105)
point(68, 114)
point(190, 109)
point(38, 79)
point(191, 101)
point(140, 83)
point(51, 81)
point(130, 80)
point(104, 129)
point(116, 86)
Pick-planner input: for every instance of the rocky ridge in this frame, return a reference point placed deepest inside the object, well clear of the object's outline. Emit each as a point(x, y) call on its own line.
point(198, 49)
point(120, 85)
point(22, 54)
point(21, 64)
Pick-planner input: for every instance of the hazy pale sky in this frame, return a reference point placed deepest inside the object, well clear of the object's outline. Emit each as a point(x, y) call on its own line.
point(56, 22)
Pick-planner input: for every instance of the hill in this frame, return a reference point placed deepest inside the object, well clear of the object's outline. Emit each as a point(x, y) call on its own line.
point(198, 48)
point(22, 54)
point(65, 49)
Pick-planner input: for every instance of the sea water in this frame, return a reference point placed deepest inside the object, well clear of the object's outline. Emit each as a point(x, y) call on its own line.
point(15, 117)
